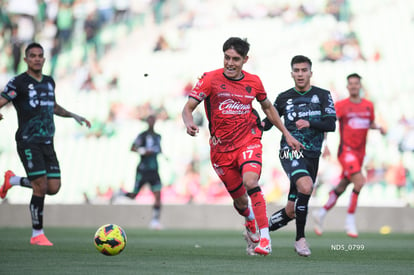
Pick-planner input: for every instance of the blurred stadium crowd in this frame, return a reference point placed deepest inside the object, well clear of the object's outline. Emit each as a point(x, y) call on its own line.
point(116, 61)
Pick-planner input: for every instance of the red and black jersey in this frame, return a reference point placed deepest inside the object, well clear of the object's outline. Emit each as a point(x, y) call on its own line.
point(354, 121)
point(229, 110)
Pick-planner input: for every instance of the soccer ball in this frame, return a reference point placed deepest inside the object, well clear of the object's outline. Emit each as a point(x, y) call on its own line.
point(110, 239)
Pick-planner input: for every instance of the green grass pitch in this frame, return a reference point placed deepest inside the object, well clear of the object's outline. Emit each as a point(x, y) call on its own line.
point(203, 252)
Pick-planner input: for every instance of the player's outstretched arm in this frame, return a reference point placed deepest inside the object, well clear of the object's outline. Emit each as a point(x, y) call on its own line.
point(375, 126)
point(60, 111)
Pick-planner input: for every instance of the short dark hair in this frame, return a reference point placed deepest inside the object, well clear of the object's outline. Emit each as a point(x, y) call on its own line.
point(241, 46)
point(31, 46)
point(353, 75)
point(300, 59)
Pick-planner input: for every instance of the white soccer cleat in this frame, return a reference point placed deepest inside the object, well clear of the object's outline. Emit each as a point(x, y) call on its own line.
point(318, 220)
point(302, 248)
point(250, 245)
point(251, 231)
point(350, 227)
point(156, 225)
point(264, 247)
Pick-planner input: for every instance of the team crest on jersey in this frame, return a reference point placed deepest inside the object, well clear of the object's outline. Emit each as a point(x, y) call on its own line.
point(249, 89)
point(315, 99)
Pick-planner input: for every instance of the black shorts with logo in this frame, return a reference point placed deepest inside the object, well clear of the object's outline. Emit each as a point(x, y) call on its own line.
point(39, 159)
point(298, 166)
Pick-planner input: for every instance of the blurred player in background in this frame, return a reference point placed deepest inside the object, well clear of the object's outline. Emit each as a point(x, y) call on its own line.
point(308, 113)
point(148, 146)
point(235, 135)
point(356, 116)
point(33, 96)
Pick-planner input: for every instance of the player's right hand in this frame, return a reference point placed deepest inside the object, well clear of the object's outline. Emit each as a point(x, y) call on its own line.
point(192, 129)
point(294, 143)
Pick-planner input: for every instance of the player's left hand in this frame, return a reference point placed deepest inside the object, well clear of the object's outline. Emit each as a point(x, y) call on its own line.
point(82, 120)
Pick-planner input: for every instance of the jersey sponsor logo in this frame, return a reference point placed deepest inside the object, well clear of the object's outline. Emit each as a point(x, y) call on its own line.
point(291, 114)
point(34, 101)
point(309, 113)
point(231, 107)
point(223, 94)
point(254, 146)
point(359, 123)
point(223, 86)
point(215, 140)
point(291, 154)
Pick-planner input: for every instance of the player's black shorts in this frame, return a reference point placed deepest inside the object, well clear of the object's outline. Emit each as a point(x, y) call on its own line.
point(39, 159)
point(296, 168)
point(150, 176)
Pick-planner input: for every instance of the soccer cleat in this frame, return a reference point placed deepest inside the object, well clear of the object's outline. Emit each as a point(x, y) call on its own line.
point(350, 227)
point(6, 185)
point(40, 240)
point(317, 218)
point(251, 231)
point(264, 247)
point(250, 245)
point(155, 224)
point(302, 248)
point(351, 230)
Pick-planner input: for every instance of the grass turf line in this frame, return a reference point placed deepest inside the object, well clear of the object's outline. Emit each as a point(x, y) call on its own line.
point(203, 252)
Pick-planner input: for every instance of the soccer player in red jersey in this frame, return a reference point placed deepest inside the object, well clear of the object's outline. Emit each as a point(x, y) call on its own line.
point(235, 135)
point(356, 116)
